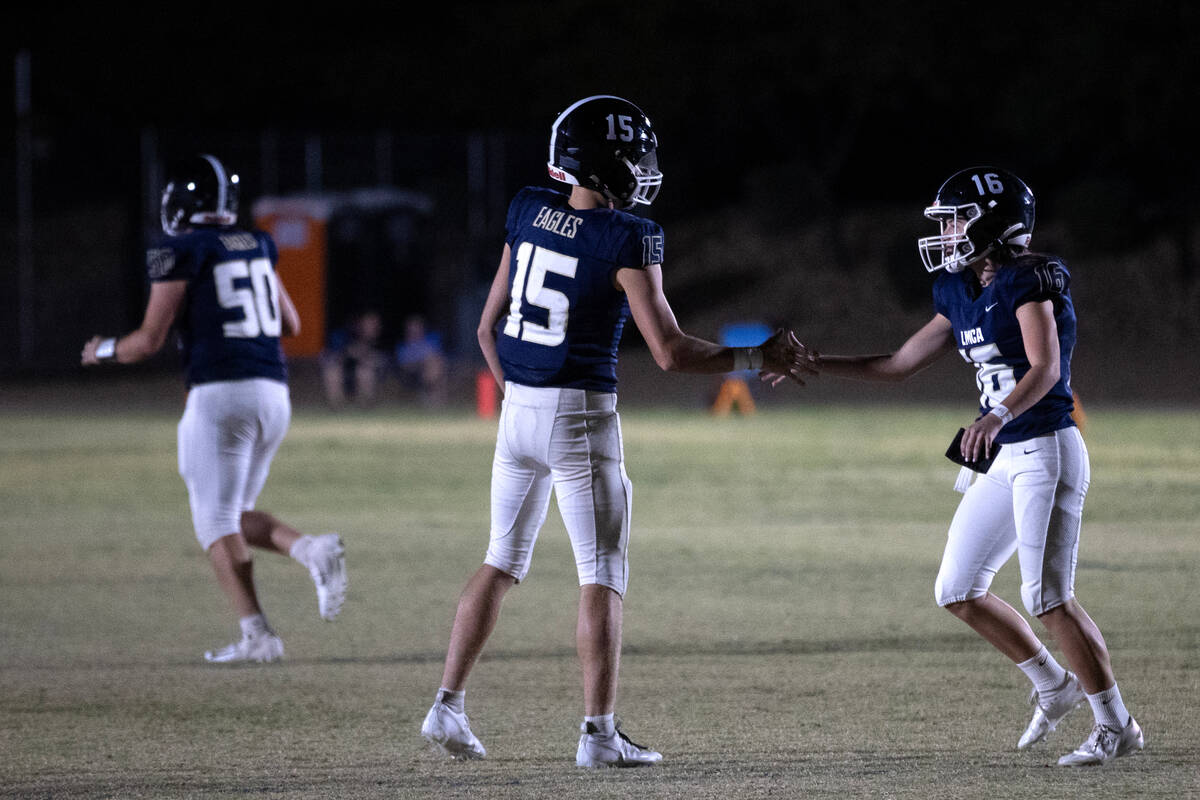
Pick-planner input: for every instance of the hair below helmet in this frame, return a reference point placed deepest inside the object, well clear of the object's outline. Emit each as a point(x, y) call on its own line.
point(607, 144)
point(979, 210)
point(199, 191)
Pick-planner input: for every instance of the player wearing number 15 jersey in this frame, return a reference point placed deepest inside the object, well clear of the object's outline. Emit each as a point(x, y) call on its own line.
point(573, 269)
point(1008, 312)
point(217, 284)
point(566, 313)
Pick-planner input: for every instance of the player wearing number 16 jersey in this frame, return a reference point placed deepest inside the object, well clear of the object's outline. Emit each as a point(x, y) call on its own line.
point(217, 284)
point(1008, 312)
point(573, 269)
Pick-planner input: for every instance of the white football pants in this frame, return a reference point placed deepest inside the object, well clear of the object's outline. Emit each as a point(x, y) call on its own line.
point(228, 435)
point(568, 440)
point(1030, 502)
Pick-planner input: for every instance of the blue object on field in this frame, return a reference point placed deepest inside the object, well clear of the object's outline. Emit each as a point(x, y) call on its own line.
point(745, 334)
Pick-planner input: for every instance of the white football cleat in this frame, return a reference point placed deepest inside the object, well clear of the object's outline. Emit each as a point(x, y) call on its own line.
point(1046, 718)
point(327, 559)
point(450, 732)
point(1105, 744)
point(616, 750)
point(261, 649)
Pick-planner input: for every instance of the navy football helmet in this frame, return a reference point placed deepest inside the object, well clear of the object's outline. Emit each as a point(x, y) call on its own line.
point(979, 209)
point(199, 191)
point(606, 143)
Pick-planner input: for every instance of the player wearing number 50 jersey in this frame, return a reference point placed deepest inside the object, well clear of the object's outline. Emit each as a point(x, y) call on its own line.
point(1008, 312)
point(573, 269)
point(216, 283)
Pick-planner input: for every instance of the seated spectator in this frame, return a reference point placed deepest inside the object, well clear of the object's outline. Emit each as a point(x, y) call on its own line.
point(353, 364)
point(421, 362)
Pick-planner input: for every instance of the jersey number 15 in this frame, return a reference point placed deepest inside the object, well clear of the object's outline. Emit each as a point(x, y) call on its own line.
point(528, 286)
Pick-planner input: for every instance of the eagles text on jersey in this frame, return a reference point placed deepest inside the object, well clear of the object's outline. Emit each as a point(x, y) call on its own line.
point(231, 323)
point(566, 315)
point(989, 337)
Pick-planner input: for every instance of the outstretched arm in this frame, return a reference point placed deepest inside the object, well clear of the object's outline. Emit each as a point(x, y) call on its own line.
point(166, 297)
point(927, 345)
point(676, 351)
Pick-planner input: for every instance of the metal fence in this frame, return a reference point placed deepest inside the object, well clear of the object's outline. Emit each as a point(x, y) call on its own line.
point(86, 206)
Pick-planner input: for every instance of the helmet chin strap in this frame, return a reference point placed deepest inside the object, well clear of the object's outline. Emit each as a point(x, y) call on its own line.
point(613, 200)
point(975, 259)
point(1008, 237)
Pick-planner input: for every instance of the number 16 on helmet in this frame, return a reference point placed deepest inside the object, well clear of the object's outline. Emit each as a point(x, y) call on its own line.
point(979, 209)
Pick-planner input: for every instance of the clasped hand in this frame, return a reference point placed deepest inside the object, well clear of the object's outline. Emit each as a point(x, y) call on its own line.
point(785, 357)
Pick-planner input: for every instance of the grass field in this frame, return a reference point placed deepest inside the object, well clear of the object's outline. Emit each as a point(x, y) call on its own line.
point(780, 639)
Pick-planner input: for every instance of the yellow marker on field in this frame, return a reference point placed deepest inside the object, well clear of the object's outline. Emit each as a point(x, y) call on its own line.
point(734, 392)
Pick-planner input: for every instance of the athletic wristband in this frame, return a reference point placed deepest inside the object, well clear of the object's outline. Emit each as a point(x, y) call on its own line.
point(107, 350)
point(1003, 413)
point(747, 358)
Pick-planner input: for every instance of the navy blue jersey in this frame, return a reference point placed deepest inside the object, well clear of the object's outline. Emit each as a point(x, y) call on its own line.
point(989, 336)
point(565, 313)
point(230, 323)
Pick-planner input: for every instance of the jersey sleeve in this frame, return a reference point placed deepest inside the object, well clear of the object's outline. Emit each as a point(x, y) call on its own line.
point(643, 246)
point(167, 263)
point(512, 224)
point(940, 286)
point(269, 247)
point(1043, 280)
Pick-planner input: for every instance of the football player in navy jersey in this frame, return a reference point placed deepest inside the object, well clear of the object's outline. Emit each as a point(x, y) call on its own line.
point(573, 268)
point(1008, 312)
point(217, 284)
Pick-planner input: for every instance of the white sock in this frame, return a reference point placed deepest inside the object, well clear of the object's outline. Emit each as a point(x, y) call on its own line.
point(254, 625)
point(457, 701)
point(603, 725)
point(1109, 709)
point(1047, 675)
point(299, 549)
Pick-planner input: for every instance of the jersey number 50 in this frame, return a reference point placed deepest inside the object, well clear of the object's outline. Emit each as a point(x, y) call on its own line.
point(258, 301)
point(529, 286)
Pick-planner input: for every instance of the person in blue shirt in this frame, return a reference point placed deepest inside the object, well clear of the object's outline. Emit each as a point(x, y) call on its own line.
point(421, 361)
point(217, 284)
point(573, 269)
point(1008, 311)
point(354, 362)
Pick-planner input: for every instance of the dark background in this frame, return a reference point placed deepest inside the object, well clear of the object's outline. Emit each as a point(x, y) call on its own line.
point(772, 117)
